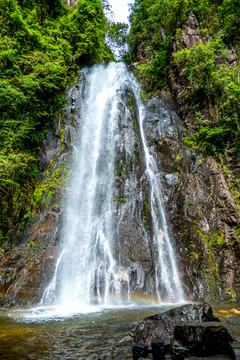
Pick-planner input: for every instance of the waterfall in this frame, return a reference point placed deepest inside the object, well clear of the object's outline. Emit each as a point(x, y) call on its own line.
point(94, 266)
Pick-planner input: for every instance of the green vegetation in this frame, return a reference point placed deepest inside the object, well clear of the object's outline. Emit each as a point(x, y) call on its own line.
point(212, 86)
point(208, 248)
point(153, 25)
point(117, 34)
point(42, 45)
point(208, 71)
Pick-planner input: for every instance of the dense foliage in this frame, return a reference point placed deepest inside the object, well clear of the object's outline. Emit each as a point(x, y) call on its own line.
point(211, 88)
point(42, 44)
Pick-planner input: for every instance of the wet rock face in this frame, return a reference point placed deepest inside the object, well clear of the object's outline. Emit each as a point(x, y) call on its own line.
point(203, 217)
point(201, 213)
point(130, 201)
point(50, 149)
point(26, 269)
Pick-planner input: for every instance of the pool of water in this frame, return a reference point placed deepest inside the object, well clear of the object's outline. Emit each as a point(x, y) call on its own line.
point(95, 333)
point(226, 310)
point(42, 334)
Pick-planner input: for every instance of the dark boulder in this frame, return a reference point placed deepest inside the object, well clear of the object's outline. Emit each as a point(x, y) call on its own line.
point(158, 349)
point(161, 326)
point(201, 339)
point(140, 351)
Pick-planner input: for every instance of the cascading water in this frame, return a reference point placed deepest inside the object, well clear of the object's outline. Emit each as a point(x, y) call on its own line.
point(166, 275)
point(93, 267)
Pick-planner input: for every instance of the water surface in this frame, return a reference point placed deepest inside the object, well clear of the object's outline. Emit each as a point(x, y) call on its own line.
point(43, 334)
point(37, 336)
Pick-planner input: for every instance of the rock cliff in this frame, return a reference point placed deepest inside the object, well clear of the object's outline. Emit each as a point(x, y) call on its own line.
point(201, 212)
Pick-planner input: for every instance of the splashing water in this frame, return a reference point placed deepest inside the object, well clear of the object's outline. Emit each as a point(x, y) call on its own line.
point(89, 270)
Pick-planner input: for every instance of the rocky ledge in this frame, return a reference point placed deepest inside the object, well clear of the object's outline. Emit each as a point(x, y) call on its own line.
point(187, 332)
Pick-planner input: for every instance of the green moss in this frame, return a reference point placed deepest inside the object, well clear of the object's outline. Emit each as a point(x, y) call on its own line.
point(48, 188)
point(120, 200)
point(200, 161)
point(122, 166)
point(135, 126)
point(145, 223)
point(144, 96)
point(178, 158)
point(212, 244)
point(38, 193)
point(146, 206)
point(195, 255)
point(130, 103)
point(237, 231)
point(232, 293)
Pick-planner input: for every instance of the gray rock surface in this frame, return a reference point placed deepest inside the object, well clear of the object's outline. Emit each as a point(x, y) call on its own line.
point(215, 357)
point(50, 148)
point(200, 338)
point(162, 326)
point(232, 323)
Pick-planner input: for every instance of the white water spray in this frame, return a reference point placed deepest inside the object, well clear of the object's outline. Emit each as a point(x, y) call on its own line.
point(88, 270)
point(166, 276)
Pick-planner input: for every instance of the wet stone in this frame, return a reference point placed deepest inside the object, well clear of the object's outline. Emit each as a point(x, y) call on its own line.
point(158, 349)
point(216, 357)
point(161, 326)
point(235, 350)
point(233, 325)
point(206, 338)
point(140, 350)
point(180, 351)
point(127, 341)
point(171, 179)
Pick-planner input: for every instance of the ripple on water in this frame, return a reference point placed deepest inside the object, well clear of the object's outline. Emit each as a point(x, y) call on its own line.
point(94, 335)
